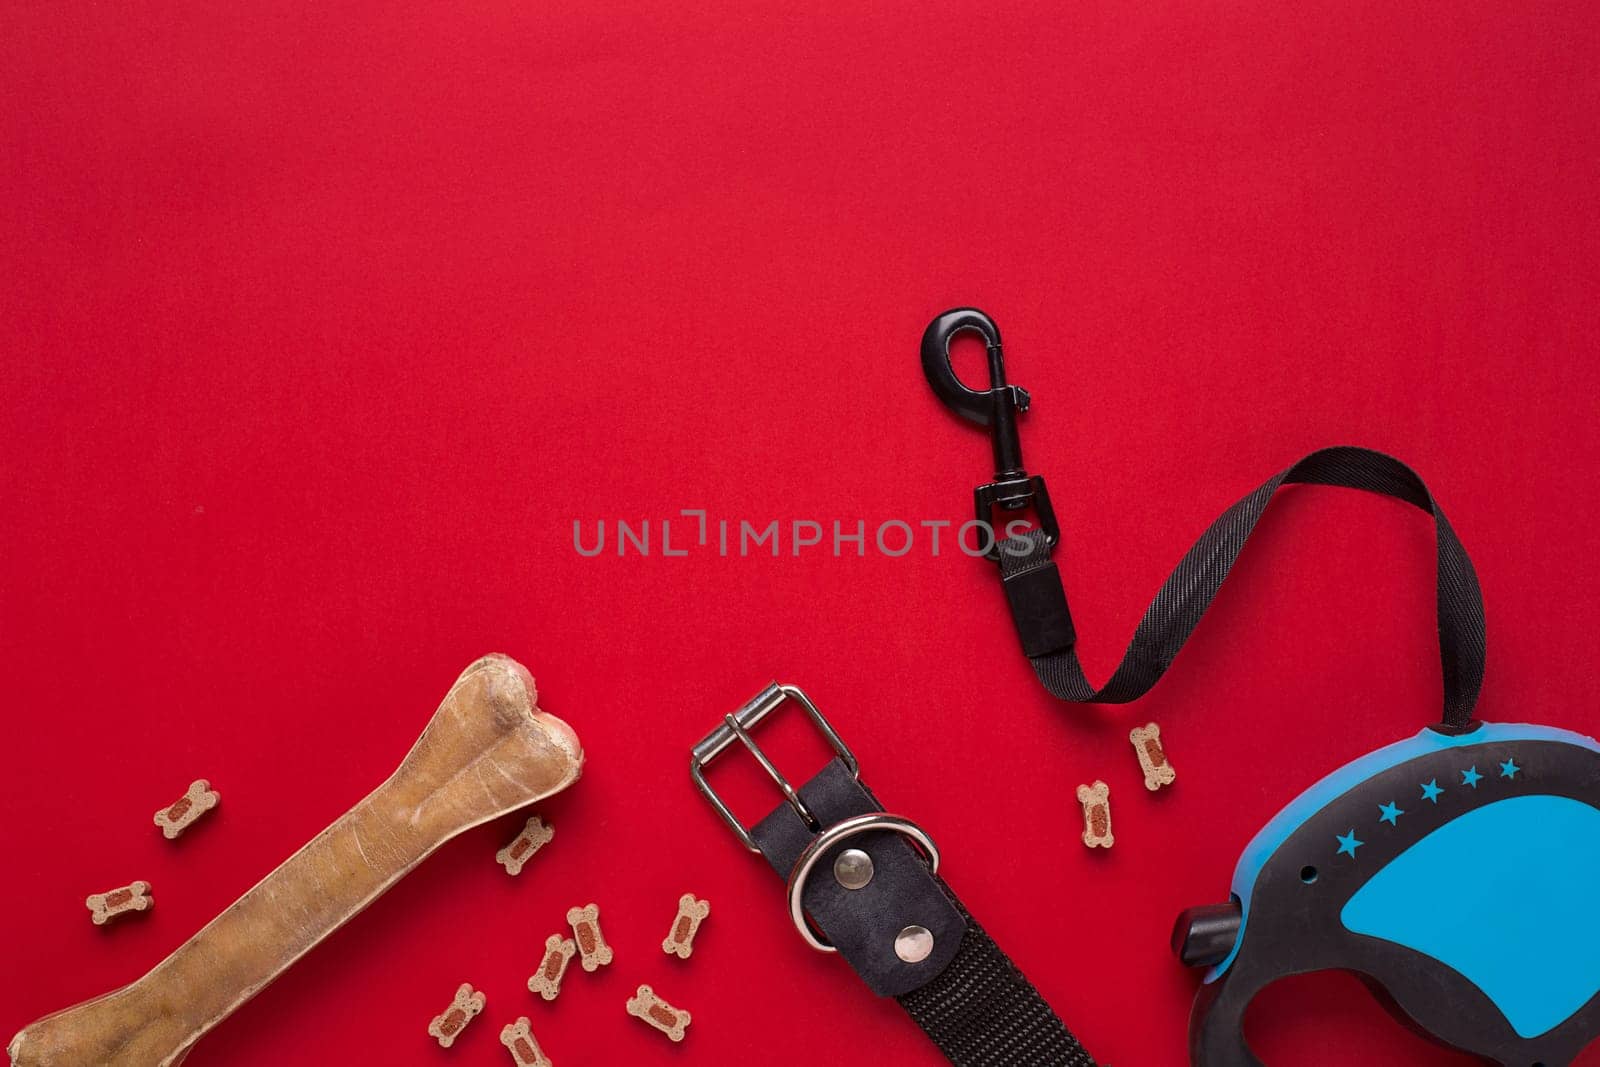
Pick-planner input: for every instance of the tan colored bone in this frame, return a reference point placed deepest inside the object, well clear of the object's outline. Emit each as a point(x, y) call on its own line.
point(103, 907)
point(680, 939)
point(1096, 801)
point(525, 1051)
point(593, 951)
point(558, 952)
point(534, 836)
point(1152, 757)
point(448, 1024)
point(200, 799)
point(487, 751)
point(658, 1013)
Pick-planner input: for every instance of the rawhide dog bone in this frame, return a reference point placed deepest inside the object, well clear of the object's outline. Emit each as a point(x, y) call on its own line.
point(525, 1051)
point(487, 752)
point(103, 907)
point(448, 1024)
point(534, 836)
point(200, 799)
point(645, 1005)
point(680, 939)
point(592, 945)
point(1096, 801)
point(1152, 757)
point(558, 952)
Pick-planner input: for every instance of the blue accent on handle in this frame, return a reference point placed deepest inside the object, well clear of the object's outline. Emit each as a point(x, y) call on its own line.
point(1518, 924)
point(1291, 818)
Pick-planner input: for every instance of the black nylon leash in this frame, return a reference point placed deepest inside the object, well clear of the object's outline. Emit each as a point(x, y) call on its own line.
point(1032, 582)
point(1037, 597)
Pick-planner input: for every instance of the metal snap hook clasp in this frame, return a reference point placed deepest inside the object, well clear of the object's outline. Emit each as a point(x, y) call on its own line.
point(974, 404)
point(996, 407)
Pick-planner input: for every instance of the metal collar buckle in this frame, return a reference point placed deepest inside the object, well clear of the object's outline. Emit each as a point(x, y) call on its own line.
point(736, 726)
point(997, 408)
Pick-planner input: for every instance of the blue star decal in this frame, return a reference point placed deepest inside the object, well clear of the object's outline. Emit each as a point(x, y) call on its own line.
point(1391, 813)
point(1509, 769)
point(1431, 791)
point(1471, 777)
point(1348, 843)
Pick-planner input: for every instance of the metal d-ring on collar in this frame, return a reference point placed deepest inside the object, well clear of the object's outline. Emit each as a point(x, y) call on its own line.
point(836, 834)
point(908, 937)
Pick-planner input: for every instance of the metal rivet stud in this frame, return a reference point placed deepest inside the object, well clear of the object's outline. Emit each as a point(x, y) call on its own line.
point(913, 944)
point(853, 868)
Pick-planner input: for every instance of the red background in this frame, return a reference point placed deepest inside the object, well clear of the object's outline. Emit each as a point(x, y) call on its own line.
point(321, 327)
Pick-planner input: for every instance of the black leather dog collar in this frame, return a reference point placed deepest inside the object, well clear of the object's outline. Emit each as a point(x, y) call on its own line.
point(859, 887)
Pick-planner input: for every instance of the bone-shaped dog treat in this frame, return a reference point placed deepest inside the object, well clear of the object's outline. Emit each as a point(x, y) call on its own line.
point(1096, 801)
point(1152, 757)
point(488, 751)
point(103, 907)
point(680, 939)
point(592, 945)
point(658, 1013)
point(448, 1024)
point(200, 799)
point(558, 952)
point(525, 1051)
point(534, 836)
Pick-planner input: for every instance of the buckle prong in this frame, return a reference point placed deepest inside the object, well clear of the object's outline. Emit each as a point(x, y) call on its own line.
point(789, 794)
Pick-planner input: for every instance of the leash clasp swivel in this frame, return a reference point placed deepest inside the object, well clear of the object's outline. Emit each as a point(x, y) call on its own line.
point(997, 407)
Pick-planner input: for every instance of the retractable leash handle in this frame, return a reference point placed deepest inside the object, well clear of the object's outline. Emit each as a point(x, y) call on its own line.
point(1454, 871)
point(864, 883)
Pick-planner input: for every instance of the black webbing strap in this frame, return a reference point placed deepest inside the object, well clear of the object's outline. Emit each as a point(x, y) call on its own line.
point(965, 993)
point(982, 1012)
point(1039, 605)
